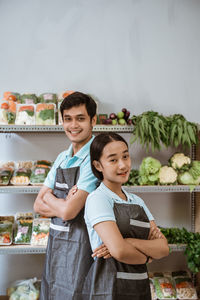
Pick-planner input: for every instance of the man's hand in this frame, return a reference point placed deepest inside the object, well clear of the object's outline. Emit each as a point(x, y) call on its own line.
point(101, 251)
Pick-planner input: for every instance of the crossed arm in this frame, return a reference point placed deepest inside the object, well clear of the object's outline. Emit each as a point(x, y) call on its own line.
point(129, 250)
point(48, 205)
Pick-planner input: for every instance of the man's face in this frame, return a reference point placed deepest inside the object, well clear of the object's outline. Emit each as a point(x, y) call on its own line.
point(78, 125)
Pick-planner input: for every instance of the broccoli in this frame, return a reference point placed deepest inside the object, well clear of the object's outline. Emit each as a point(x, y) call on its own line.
point(179, 161)
point(167, 175)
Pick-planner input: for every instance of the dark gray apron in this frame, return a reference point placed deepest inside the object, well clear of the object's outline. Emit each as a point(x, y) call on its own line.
point(68, 256)
point(109, 279)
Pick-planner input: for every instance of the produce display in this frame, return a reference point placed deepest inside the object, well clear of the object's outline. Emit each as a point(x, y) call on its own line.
point(48, 98)
point(184, 286)
point(192, 241)
point(40, 232)
point(23, 230)
point(28, 99)
point(152, 130)
point(172, 285)
point(28, 289)
point(8, 113)
point(39, 173)
point(25, 115)
point(6, 231)
point(151, 172)
point(45, 114)
point(5, 175)
point(21, 176)
point(164, 287)
point(121, 118)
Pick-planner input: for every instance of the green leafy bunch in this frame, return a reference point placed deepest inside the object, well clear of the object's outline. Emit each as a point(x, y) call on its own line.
point(192, 241)
point(152, 130)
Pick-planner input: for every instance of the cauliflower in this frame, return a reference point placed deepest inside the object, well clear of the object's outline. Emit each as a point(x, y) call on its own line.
point(167, 175)
point(179, 161)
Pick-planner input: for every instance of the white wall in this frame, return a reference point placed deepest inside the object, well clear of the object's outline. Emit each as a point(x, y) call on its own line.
point(142, 54)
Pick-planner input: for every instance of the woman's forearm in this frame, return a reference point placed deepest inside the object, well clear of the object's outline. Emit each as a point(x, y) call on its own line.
point(156, 248)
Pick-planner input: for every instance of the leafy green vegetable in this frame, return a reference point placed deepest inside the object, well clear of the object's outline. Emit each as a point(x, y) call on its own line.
point(192, 241)
point(10, 117)
point(149, 171)
point(187, 178)
point(46, 114)
point(133, 178)
point(195, 169)
point(30, 112)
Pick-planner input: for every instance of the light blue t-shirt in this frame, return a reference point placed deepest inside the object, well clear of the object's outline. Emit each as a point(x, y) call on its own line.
point(99, 208)
point(87, 181)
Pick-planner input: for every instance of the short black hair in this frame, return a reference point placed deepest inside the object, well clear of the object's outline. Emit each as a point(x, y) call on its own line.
point(76, 99)
point(97, 146)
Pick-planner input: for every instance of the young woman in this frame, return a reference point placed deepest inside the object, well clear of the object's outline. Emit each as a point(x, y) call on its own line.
point(121, 229)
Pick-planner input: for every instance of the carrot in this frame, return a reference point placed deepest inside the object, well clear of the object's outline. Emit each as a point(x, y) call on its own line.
point(4, 105)
point(6, 95)
point(67, 93)
point(42, 106)
point(12, 106)
point(40, 236)
point(27, 107)
point(12, 97)
point(43, 166)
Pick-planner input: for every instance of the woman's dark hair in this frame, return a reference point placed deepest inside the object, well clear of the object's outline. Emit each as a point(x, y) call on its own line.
point(76, 99)
point(97, 146)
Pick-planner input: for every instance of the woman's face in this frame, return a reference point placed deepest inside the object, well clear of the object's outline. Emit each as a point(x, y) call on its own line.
point(115, 163)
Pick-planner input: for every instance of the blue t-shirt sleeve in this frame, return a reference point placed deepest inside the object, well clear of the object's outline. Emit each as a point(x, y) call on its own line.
point(98, 208)
point(50, 179)
point(87, 181)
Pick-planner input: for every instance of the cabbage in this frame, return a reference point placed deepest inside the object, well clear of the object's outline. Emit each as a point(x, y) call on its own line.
point(149, 171)
point(187, 178)
point(195, 169)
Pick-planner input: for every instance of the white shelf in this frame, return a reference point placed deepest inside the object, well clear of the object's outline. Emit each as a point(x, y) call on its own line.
point(59, 128)
point(22, 249)
point(131, 189)
point(19, 189)
point(29, 249)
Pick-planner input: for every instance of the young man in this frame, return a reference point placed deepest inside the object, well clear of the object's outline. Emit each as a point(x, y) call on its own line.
point(68, 256)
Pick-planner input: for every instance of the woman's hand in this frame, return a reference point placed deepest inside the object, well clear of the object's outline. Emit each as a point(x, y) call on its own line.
point(101, 251)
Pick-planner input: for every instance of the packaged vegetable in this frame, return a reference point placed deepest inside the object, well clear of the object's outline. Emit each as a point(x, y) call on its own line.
point(60, 121)
point(44, 162)
point(184, 286)
point(6, 232)
point(28, 99)
point(164, 287)
point(27, 164)
point(24, 290)
point(21, 176)
point(39, 173)
point(5, 175)
point(8, 113)
point(48, 98)
point(40, 232)
point(11, 96)
point(25, 114)
point(23, 230)
point(152, 288)
point(45, 114)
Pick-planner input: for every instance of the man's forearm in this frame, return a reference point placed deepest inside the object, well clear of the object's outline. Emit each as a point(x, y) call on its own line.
point(55, 205)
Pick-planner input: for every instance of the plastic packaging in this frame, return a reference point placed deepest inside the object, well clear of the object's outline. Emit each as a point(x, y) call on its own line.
point(48, 98)
point(45, 114)
point(8, 112)
point(5, 175)
point(40, 232)
point(28, 99)
point(21, 176)
point(23, 230)
point(184, 286)
point(25, 114)
point(24, 290)
point(39, 173)
point(164, 287)
point(6, 230)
